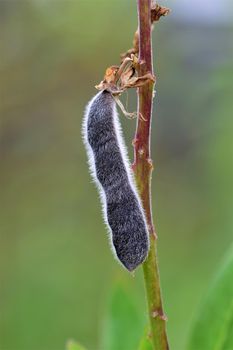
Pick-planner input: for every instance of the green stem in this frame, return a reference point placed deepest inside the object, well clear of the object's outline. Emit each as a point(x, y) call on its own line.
point(143, 169)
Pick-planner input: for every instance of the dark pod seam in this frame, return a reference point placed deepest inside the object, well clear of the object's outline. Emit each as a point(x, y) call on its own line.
point(110, 169)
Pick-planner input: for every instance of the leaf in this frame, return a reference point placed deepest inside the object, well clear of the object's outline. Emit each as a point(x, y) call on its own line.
point(72, 345)
point(213, 329)
point(145, 343)
point(124, 322)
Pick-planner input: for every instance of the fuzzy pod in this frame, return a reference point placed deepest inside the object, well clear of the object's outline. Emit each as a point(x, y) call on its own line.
point(123, 212)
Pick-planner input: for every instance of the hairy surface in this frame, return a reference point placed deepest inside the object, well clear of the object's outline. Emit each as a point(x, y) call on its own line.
point(111, 171)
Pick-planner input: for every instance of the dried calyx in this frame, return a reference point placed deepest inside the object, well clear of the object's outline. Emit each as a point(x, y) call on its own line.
point(119, 78)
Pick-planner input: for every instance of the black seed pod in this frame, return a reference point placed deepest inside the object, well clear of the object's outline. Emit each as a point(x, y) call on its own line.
point(111, 171)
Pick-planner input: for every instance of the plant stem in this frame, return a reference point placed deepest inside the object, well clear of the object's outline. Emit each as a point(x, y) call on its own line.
point(143, 169)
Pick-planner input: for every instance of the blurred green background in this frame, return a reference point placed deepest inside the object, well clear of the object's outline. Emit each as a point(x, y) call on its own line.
point(56, 267)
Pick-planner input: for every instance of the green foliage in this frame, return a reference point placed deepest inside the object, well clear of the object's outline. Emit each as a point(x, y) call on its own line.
point(213, 329)
point(72, 345)
point(145, 343)
point(124, 323)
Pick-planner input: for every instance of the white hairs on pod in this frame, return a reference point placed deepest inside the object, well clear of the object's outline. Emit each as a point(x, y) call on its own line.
point(110, 169)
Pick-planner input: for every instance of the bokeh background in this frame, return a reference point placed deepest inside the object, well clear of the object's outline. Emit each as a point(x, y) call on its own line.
point(56, 267)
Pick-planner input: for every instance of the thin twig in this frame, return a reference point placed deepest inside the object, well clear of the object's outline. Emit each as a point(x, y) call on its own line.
point(143, 168)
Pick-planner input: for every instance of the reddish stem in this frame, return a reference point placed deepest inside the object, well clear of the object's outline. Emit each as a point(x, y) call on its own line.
point(143, 168)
